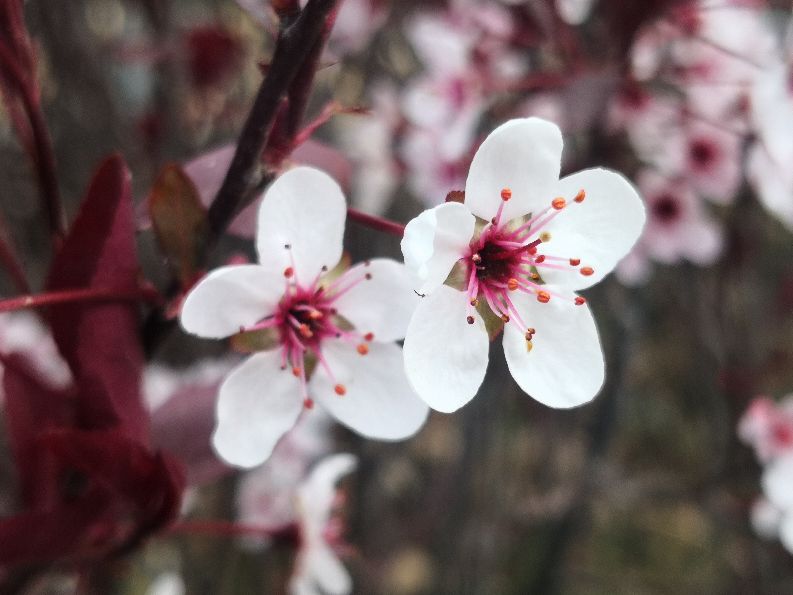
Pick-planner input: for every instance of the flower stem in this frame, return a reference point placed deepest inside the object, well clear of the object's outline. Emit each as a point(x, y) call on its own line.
point(44, 158)
point(295, 44)
point(99, 294)
point(375, 222)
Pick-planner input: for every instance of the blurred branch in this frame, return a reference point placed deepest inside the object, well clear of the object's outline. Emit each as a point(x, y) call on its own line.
point(377, 223)
point(101, 294)
point(11, 262)
point(44, 157)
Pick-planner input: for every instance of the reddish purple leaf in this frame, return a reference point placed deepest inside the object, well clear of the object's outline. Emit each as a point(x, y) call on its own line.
point(100, 341)
point(32, 408)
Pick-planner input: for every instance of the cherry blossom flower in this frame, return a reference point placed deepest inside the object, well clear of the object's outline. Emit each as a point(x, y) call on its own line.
point(678, 227)
point(266, 495)
point(494, 246)
point(343, 329)
point(768, 427)
point(318, 569)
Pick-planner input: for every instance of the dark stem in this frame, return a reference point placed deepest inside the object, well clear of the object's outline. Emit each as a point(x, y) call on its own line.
point(375, 222)
point(44, 158)
point(100, 294)
point(10, 261)
point(295, 44)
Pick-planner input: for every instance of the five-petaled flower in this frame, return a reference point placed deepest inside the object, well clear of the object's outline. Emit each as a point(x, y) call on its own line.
point(522, 243)
point(333, 339)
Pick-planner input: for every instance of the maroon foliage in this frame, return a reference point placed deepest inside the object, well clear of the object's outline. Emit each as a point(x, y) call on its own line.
point(100, 342)
point(213, 55)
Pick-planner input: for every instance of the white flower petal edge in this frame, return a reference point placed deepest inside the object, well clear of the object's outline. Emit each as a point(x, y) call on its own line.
point(786, 531)
point(382, 304)
point(229, 298)
point(778, 482)
point(317, 565)
point(564, 367)
point(379, 402)
point(600, 230)
point(326, 570)
point(445, 358)
point(524, 155)
point(257, 404)
point(435, 240)
point(304, 209)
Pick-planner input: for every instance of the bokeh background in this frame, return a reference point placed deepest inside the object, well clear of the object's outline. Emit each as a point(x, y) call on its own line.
point(648, 489)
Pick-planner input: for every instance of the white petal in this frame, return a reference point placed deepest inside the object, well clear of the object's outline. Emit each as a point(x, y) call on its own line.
point(382, 304)
point(600, 230)
point(786, 531)
point(564, 367)
point(435, 240)
point(523, 155)
point(765, 518)
point(257, 404)
point(327, 570)
point(379, 402)
point(445, 357)
point(317, 493)
point(778, 482)
point(305, 209)
point(574, 12)
point(229, 298)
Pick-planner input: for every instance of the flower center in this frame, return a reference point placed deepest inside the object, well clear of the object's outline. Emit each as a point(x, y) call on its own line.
point(666, 208)
point(305, 317)
point(702, 153)
point(507, 257)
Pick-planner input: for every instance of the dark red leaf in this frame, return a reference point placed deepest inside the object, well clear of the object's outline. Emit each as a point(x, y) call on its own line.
point(32, 408)
point(100, 340)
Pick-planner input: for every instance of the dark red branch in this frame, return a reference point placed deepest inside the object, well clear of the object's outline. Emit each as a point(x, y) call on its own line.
point(101, 294)
point(44, 158)
point(295, 44)
point(375, 222)
point(229, 529)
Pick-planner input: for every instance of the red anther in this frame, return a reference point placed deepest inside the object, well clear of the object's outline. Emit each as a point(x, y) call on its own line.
point(528, 336)
point(340, 390)
point(308, 403)
point(580, 196)
point(587, 271)
point(579, 301)
point(531, 330)
point(369, 336)
point(469, 319)
point(368, 276)
point(533, 250)
point(493, 221)
point(476, 259)
point(558, 203)
point(543, 297)
point(315, 315)
point(506, 194)
point(474, 302)
point(505, 318)
point(540, 259)
point(288, 272)
point(362, 348)
point(296, 371)
point(305, 331)
point(512, 284)
point(574, 262)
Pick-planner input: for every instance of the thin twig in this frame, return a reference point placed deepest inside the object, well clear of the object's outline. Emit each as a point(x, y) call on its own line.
point(44, 159)
point(375, 222)
point(295, 44)
point(96, 294)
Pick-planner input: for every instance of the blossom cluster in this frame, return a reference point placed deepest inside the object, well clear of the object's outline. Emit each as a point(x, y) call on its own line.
point(767, 426)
